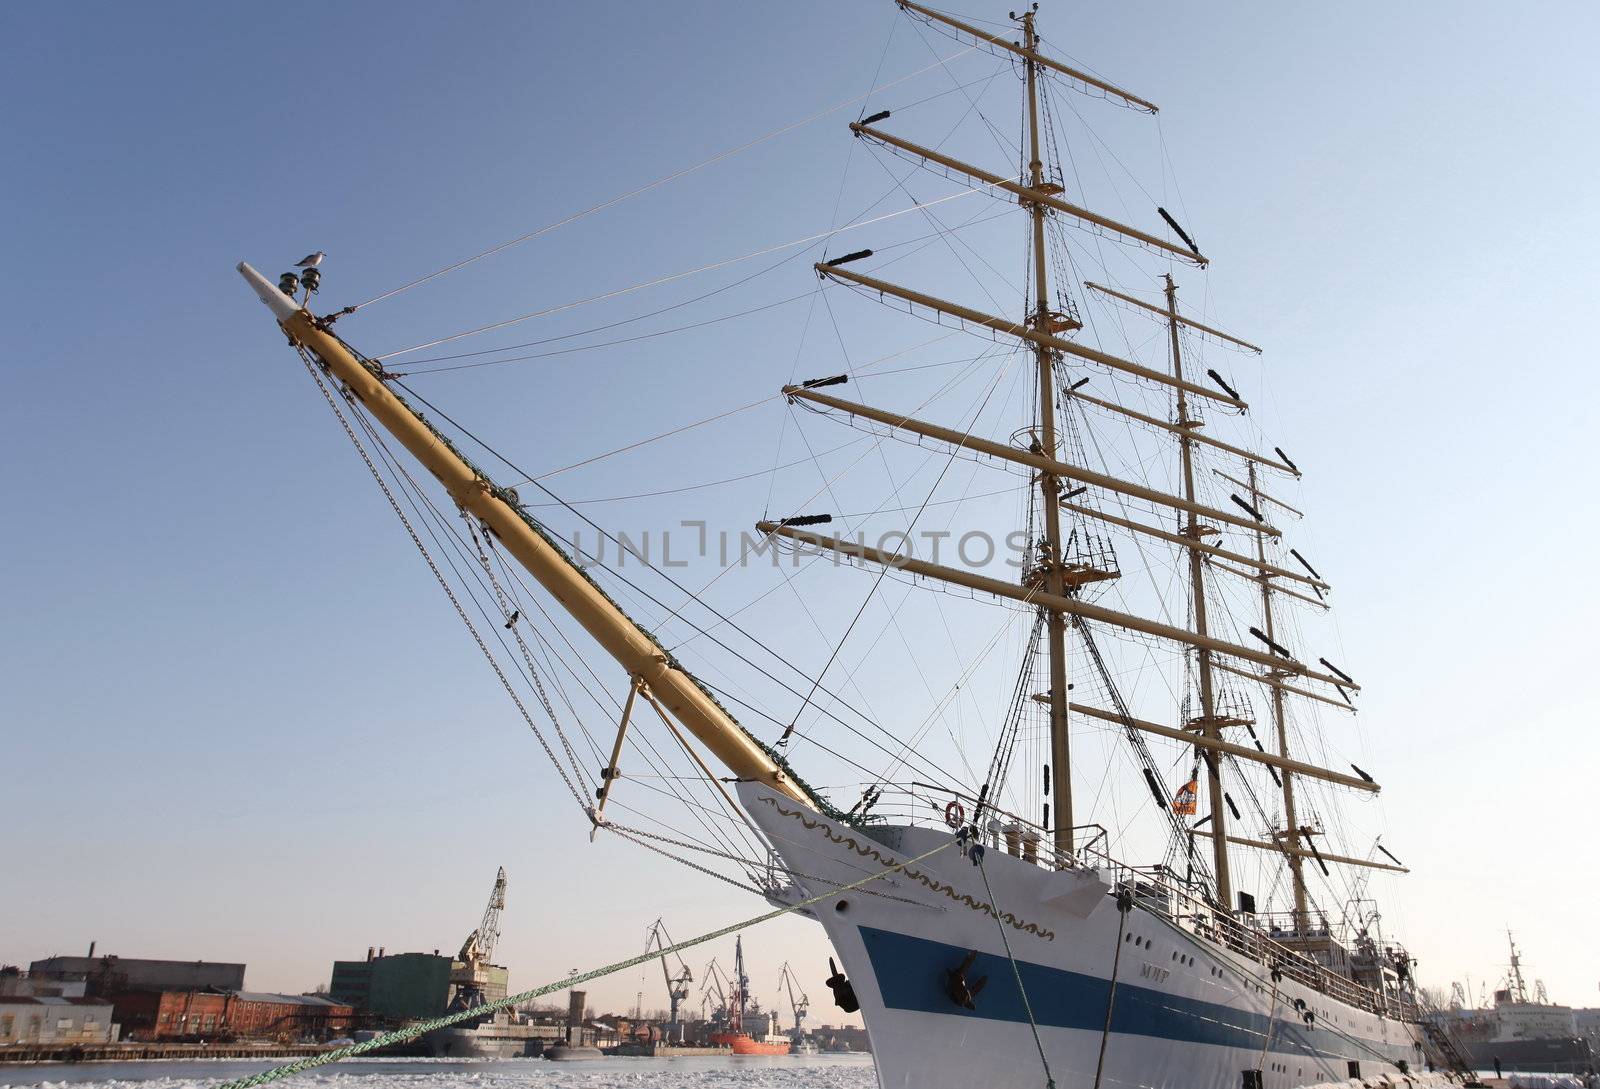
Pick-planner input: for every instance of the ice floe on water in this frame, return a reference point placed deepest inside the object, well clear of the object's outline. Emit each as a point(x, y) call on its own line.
point(712, 1072)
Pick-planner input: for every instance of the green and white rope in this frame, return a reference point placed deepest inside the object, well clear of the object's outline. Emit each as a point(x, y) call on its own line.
point(1016, 972)
point(411, 1032)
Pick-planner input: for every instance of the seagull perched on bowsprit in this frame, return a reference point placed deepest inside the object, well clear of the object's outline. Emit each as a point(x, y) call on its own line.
point(310, 261)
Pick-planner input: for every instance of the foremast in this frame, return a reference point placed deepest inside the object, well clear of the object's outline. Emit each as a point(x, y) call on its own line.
point(1049, 484)
point(647, 663)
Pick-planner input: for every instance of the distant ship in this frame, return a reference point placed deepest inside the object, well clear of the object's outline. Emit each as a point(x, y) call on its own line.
point(474, 979)
point(1533, 1035)
point(741, 1041)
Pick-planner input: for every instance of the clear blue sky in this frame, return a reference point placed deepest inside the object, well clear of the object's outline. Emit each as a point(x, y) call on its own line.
point(240, 724)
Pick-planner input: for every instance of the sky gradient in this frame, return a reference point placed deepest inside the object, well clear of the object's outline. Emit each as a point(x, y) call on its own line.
point(239, 723)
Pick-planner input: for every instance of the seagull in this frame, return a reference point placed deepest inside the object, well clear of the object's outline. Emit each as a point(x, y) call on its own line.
point(310, 261)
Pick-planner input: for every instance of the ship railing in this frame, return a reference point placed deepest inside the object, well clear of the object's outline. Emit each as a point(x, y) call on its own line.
point(1156, 889)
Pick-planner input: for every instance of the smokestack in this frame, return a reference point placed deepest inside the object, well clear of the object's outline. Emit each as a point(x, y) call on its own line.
point(575, 1016)
point(380, 950)
point(369, 953)
point(91, 950)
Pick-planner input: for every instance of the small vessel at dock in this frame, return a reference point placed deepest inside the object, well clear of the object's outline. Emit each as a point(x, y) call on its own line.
point(749, 1030)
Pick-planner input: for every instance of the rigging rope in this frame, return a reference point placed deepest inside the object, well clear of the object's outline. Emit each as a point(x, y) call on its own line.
point(670, 277)
point(1016, 972)
point(444, 583)
point(614, 201)
point(674, 613)
point(413, 1031)
point(1124, 906)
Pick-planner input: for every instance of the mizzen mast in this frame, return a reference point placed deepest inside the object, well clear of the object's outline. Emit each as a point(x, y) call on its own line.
point(1296, 855)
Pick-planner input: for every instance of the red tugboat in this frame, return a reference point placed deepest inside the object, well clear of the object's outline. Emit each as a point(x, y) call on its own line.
point(741, 1041)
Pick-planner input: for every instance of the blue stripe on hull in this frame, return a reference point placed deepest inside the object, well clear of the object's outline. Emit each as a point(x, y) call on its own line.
point(911, 975)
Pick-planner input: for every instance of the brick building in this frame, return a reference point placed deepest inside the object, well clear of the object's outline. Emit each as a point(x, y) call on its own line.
point(286, 1016)
point(215, 1015)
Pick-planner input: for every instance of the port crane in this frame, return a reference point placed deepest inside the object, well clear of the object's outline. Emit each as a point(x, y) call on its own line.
point(480, 944)
point(677, 985)
point(801, 1005)
point(716, 985)
point(470, 974)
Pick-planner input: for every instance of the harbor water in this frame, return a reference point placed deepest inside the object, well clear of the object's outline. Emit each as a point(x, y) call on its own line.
point(702, 1072)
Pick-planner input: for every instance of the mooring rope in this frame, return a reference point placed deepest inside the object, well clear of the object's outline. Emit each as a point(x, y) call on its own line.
point(413, 1031)
point(1027, 1007)
point(1124, 906)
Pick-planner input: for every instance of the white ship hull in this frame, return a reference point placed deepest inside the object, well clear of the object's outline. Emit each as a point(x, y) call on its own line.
point(1188, 1013)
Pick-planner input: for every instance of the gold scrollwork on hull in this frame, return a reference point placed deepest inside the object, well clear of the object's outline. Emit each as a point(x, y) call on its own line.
point(866, 850)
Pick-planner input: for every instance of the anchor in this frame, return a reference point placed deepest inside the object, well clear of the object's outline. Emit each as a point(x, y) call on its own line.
point(963, 992)
point(844, 992)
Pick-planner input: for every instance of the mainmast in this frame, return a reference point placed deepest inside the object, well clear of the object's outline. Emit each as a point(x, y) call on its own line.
point(1207, 723)
point(1049, 485)
point(1291, 821)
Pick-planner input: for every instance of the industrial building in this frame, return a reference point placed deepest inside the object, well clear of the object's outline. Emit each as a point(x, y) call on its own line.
point(54, 1019)
point(112, 974)
point(419, 986)
point(399, 986)
point(215, 1015)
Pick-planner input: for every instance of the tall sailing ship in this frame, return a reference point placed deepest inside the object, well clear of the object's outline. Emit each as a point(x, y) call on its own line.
point(988, 930)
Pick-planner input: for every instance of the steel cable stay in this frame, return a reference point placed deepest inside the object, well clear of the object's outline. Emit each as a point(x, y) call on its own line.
point(1000, 138)
point(1075, 82)
point(1178, 833)
point(673, 613)
point(505, 682)
point(427, 513)
point(940, 703)
point(606, 326)
point(976, 412)
point(668, 278)
point(586, 347)
point(657, 183)
point(533, 677)
point(724, 693)
point(674, 793)
point(637, 738)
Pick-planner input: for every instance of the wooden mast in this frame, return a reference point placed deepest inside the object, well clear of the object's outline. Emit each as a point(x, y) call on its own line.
point(1049, 485)
point(1207, 722)
point(1295, 853)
